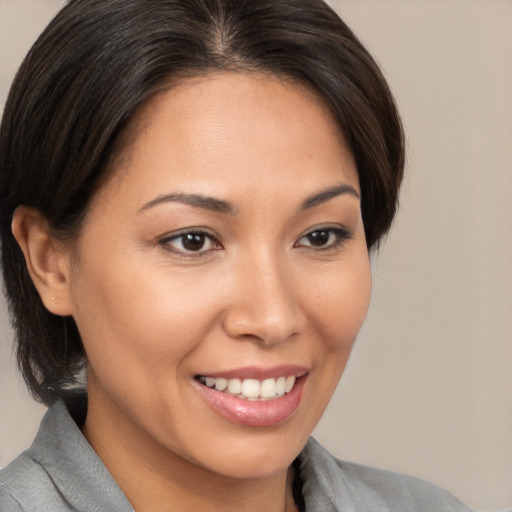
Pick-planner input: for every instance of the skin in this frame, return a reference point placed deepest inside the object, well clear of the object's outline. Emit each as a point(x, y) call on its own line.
point(153, 316)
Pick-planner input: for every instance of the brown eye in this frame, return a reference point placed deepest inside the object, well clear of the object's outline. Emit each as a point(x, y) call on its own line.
point(190, 243)
point(318, 238)
point(324, 238)
point(193, 241)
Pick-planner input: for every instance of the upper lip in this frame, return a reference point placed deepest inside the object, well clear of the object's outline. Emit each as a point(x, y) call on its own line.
point(259, 373)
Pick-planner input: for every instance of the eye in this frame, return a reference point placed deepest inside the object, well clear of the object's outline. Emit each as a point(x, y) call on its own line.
point(193, 243)
point(324, 238)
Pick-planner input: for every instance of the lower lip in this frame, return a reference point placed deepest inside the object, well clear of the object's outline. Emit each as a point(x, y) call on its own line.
point(258, 413)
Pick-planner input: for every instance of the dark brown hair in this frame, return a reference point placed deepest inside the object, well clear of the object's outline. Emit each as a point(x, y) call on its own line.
point(99, 61)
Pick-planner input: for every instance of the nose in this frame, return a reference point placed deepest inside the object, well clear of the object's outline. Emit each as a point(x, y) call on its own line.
point(264, 305)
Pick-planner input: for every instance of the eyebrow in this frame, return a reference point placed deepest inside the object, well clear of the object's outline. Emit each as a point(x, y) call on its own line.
point(327, 194)
point(194, 200)
point(220, 206)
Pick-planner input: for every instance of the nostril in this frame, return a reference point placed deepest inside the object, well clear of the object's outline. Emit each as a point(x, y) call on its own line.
point(262, 330)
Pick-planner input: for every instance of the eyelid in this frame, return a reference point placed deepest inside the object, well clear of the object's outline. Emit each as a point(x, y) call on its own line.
point(165, 241)
point(342, 233)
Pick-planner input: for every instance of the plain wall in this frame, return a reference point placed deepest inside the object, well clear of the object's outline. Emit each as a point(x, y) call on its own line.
point(428, 390)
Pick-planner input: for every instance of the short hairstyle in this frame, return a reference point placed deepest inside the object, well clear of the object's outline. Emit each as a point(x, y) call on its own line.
point(93, 68)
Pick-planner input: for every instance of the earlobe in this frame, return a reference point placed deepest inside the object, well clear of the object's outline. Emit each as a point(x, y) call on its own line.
point(47, 259)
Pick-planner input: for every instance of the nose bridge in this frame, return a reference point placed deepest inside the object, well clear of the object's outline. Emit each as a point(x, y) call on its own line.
point(265, 305)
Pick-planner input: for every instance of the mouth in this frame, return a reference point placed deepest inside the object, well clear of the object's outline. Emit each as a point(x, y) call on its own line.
point(251, 389)
point(255, 398)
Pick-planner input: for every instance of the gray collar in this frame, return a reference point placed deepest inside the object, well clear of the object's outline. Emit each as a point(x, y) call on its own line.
point(75, 469)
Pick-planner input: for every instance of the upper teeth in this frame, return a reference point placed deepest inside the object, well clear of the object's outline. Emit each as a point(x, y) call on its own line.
point(251, 389)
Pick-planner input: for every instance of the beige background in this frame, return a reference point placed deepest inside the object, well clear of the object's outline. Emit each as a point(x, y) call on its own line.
point(429, 387)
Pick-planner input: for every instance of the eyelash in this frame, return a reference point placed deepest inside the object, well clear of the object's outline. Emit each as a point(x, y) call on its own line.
point(167, 241)
point(341, 235)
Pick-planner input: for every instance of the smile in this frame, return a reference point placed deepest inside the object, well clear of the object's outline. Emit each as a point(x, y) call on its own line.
point(251, 389)
point(255, 397)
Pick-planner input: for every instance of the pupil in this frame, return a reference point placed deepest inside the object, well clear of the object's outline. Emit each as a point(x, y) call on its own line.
point(318, 238)
point(193, 241)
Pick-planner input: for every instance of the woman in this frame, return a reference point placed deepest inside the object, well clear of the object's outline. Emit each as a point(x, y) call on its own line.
point(189, 192)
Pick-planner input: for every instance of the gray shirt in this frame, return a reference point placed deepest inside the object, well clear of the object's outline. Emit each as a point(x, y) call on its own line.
point(60, 472)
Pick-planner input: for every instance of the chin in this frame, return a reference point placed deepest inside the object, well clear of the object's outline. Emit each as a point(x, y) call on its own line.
point(253, 455)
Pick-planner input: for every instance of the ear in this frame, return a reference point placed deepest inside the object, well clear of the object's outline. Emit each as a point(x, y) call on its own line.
point(48, 261)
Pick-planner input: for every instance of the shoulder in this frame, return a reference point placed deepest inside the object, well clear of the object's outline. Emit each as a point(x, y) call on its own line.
point(26, 487)
point(60, 472)
point(28, 483)
point(346, 484)
point(392, 489)
point(8, 500)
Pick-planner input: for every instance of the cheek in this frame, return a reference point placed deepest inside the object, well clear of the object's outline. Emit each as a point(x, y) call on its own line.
point(337, 309)
point(342, 303)
point(150, 320)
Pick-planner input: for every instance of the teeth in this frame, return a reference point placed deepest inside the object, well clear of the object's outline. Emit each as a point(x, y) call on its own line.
point(288, 386)
point(235, 386)
point(268, 388)
point(220, 384)
point(280, 385)
point(251, 389)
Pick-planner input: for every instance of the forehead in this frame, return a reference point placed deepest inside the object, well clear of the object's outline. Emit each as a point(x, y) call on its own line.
point(203, 131)
point(229, 88)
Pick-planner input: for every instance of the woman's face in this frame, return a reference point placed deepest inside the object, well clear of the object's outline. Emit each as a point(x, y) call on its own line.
point(227, 249)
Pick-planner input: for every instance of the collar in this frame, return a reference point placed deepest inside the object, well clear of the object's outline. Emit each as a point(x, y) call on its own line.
point(76, 471)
